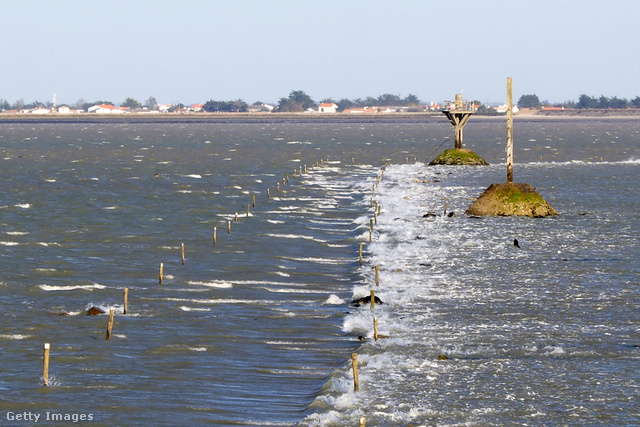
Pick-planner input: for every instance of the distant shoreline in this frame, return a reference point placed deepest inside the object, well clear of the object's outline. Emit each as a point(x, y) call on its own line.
point(307, 117)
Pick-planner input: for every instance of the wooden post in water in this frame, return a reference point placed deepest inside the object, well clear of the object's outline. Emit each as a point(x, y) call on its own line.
point(373, 299)
point(375, 328)
point(509, 130)
point(161, 273)
point(215, 236)
point(229, 227)
point(254, 200)
point(363, 421)
point(182, 249)
point(236, 217)
point(360, 253)
point(126, 300)
point(248, 206)
point(377, 276)
point(110, 323)
point(354, 363)
point(45, 364)
point(268, 193)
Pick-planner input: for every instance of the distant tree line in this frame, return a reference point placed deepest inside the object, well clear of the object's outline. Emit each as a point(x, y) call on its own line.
point(584, 102)
point(299, 101)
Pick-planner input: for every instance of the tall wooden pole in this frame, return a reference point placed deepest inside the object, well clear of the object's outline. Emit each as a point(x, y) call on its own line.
point(509, 130)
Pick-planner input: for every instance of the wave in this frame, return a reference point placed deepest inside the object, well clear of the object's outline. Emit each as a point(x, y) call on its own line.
point(50, 288)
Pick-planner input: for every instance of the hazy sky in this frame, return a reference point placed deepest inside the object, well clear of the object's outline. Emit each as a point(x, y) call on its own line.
point(196, 50)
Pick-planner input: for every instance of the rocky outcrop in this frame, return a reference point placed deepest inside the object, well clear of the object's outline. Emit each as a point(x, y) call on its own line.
point(460, 156)
point(510, 199)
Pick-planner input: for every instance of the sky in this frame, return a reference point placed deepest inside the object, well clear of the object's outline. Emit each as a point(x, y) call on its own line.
point(193, 51)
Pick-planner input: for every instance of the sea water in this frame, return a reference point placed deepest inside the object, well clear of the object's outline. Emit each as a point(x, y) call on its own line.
point(258, 330)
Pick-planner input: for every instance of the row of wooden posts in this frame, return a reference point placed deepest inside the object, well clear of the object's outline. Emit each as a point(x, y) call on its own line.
point(354, 356)
point(47, 346)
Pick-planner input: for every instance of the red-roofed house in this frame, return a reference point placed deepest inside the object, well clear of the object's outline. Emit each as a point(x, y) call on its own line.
point(327, 107)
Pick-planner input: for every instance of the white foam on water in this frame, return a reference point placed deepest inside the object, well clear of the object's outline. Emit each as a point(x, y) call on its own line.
point(334, 300)
point(185, 308)
point(212, 284)
point(23, 205)
point(50, 288)
point(17, 233)
point(14, 336)
point(9, 243)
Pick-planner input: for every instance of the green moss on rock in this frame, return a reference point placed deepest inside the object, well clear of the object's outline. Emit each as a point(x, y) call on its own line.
point(461, 156)
point(509, 199)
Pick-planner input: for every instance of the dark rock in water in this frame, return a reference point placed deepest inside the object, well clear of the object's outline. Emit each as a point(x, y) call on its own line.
point(419, 238)
point(451, 214)
point(515, 243)
point(365, 300)
point(361, 338)
point(94, 311)
point(425, 264)
point(429, 215)
point(441, 357)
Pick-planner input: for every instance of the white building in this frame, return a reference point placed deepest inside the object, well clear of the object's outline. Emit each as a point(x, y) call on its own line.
point(327, 107)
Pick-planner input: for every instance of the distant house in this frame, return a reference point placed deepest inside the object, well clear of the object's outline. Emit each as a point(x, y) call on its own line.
point(503, 109)
point(40, 111)
point(365, 110)
point(64, 109)
point(106, 109)
point(260, 108)
point(164, 108)
point(327, 107)
point(386, 110)
point(196, 108)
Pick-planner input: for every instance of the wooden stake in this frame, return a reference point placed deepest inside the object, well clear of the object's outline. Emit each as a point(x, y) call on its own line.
point(377, 277)
point(236, 217)
point(254, 200)
point(363, 421)
point(305, 169)
point(161, 273)
point(375, 328)
point(248, 206)
point(353, 160)
point(278, 187)
point(229, 227)
point(268, 193)
point(509, 130)
point(444, 213)
point(354, 363)
point(110, 323)
point(182, 247)
point(215, 236)
point(45, 365)
point(126, 300)
point(373, 299)
point(360, 253)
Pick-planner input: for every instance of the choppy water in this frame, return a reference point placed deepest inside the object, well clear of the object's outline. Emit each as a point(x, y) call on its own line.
point(257, 329)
